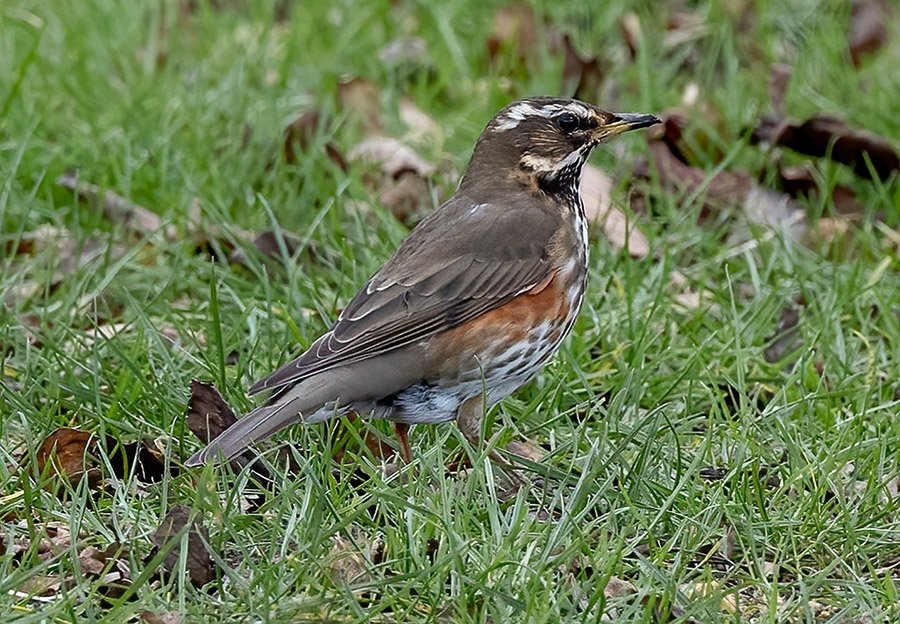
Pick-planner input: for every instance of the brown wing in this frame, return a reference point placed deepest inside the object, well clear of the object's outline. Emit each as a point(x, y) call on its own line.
point(459, 263)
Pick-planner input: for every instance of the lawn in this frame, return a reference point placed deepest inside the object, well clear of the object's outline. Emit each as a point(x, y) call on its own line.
point(718, 441)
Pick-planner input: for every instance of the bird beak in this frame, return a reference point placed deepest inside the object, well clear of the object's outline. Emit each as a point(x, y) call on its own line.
point(623, 122)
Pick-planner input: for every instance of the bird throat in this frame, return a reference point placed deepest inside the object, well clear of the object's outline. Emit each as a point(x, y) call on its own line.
point(563, 182)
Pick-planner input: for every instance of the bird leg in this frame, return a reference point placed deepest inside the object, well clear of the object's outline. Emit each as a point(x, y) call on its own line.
point(402, 430)
point(468, 419)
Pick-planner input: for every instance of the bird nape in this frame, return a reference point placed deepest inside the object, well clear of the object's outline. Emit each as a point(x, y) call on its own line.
point(472, 304)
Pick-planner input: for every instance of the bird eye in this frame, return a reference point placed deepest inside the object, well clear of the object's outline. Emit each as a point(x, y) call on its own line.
point(567, 122)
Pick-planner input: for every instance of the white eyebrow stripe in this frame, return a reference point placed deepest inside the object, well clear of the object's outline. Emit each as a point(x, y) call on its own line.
point(522, 110)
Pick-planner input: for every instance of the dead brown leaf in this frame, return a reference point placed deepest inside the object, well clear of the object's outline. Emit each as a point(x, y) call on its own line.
point(526, 449)
point(70, 453)
point(301, 133)
point(69, 255)
point(407, 197)
point(199, 565)
point(725, 188)
point(828, 230)
point(348, 563)
point(686, 296)
point(421, 127)
point(361, 99)
point(64, 453)
point(868, 32)
point(208, 413)
point(167, 617)
point(584, 74)
point(704, 589)
point(267, 243)
point(829, 136)
point(804, 181)
point(630, 29)
point(596, 194)
point(115, 207)
point(392, 157)
point(56, 541)
point(40, 585)
point(787, 338)
point(515, 29)
point(403, 176)
point(616, 588)
point(109, 565)
point(145, 458)
point(779, 79)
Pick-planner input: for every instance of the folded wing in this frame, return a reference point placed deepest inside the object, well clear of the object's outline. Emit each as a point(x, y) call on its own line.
point(448, 271)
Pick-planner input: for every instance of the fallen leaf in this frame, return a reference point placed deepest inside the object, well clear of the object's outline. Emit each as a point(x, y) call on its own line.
point(208, 413)
point(868, 32)
point(347, 564)
point(407, 197)
point(301, 133)
point(685, 295)
point(828, 230)
point(616, 588)
point(140, 458)
point(267, 244)
point(70, 453)
point(39, 585)
point(630, 29)
point(526, 449)
point(787, 337)
point(199, 564)
point(514, 28)
point(829, 136)
point(115, 207)
point(725, 188)
point(420, 126)
point(402, 182)
point(57, 539)
point(69, 255)
point(92, 561)
point(392, 156)
point(705, 589)
point(361, 99)
point(167, 617)
point(596, 193)
point(779, 79)
point(109, 565)
point(804, 181)
point(583, 74)
point(64, 453)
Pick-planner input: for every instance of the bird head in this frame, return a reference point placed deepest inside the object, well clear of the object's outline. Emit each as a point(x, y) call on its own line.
point(544, 142)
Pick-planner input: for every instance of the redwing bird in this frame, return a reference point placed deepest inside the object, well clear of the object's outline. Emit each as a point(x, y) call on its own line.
point(472, 304)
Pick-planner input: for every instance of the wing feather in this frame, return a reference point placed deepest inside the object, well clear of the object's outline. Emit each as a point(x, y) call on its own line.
point(449, 270)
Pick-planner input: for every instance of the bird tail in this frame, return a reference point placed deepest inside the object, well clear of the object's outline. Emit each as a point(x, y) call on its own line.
point(281, 411)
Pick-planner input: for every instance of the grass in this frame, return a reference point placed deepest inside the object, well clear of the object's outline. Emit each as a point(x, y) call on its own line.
point(647, 397)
